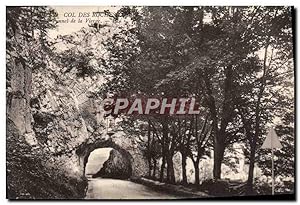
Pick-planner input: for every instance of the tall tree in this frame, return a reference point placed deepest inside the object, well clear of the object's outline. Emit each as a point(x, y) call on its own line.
point(273, 38)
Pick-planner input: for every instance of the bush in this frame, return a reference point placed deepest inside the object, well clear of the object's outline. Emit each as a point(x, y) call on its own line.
point(216, 188)
point(263, 186)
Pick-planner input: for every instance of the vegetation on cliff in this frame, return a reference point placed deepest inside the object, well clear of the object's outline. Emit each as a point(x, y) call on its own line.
point(29, 177)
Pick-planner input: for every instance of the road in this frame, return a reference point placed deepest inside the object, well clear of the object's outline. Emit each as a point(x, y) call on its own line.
point(99, 188)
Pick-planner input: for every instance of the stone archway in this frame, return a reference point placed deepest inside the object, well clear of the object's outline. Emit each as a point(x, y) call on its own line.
point(118, 157)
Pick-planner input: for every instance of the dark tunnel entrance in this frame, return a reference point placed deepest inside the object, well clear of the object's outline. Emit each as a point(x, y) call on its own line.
point(105, 160)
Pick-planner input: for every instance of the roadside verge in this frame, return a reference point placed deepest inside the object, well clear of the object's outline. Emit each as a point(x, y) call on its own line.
point(170, 188)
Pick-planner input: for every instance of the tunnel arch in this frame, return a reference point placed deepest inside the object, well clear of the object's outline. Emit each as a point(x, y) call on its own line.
point(85, 149)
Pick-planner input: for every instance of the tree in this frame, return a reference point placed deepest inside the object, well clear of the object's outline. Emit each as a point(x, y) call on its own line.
point(201, 136)
point(274, 40)
point(210, 53)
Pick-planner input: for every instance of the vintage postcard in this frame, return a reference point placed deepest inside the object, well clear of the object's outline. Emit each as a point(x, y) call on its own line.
point(150, 102)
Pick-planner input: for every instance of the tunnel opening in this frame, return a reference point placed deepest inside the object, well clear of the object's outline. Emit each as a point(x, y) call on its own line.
point(108, 163)
point(96, 160)
point(105, 159)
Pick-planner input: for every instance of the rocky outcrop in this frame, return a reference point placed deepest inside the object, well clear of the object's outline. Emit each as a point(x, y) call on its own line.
point(54, 120)
point(44, 126)
point(59, 122)
point(66, 129)
point(18, 96)
point(30, 177)
point(118, 166)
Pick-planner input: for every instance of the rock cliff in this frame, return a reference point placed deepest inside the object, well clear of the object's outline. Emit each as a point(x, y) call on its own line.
point(118, 166)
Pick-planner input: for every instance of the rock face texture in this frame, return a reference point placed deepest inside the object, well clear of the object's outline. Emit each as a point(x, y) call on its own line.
point(53, 123)
point(18, 109)
point(118, 166)
point(31, 176)
point(18, 97)
point(44, 127)
point(54, 119)
point(36, 162)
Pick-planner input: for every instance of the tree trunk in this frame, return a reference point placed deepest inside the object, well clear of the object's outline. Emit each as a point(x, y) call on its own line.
point(170, 169)
point(149, 150)
point(165, 131)
point(220, 134)
point(183, 165)
point(162, 169)
point(149, 167)
point(253, 141)
point(249, 188)
point(197, 172)
point(218, 158)
point(154, 169)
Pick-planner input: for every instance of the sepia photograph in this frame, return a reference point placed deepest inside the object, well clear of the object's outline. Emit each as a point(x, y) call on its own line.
point(150, 103)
